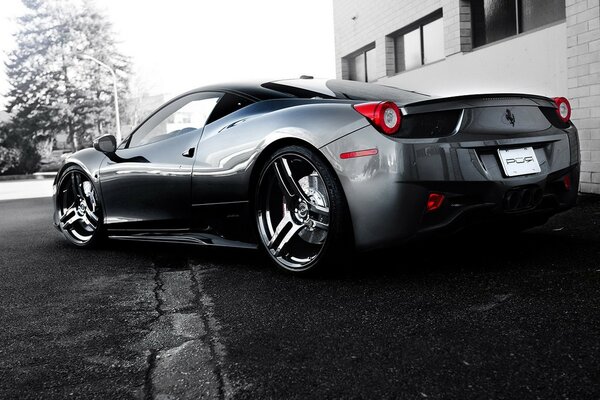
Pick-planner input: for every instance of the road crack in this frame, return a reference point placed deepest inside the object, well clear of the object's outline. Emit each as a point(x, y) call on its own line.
point(185, 358)
point(212, 337)
point(151, 359)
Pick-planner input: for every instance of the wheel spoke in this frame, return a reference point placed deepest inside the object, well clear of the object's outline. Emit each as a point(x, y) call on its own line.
point(283, 238)
point(286, 180)
point(90, 198)
point(286, 239)
point(90, 214)
point(320, 225)
point(79, 186)
point(68, 214)
point(317, 209)
point(69, 217)
point(74, 190)
point(287, 219)
point(88, 222)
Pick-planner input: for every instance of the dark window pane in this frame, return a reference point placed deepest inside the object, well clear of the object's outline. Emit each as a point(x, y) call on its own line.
point(399, 53)
point(301, 88)
point(412, 49)
point(500, 19)
point(371, 65)
point(478, 23)
point(228, 104)
point(433, 41)
point(536, 13)
point(339, 89)
point(493, 20)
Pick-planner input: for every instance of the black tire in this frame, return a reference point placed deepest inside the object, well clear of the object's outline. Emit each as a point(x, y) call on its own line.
point(79, 209)
point(300, 212)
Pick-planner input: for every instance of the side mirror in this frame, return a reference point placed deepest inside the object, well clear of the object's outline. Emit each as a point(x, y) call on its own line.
point(106, 144)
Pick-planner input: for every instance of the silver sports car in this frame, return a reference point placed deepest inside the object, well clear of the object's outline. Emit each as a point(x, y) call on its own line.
point(308, 169)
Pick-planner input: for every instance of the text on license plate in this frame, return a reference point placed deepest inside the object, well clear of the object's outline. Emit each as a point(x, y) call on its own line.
point(520, 161)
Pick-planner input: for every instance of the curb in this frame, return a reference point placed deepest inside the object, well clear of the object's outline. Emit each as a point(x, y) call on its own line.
point(36, 175)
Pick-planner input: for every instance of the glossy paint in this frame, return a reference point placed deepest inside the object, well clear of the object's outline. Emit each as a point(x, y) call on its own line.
point(155, 192)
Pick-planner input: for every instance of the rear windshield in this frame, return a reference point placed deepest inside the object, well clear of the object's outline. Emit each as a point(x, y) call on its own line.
point(342, 89)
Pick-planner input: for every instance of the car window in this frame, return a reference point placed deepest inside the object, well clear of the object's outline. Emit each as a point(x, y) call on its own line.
point(373, 92)
point(228, 104)
point(181, 117)
point(341, 89)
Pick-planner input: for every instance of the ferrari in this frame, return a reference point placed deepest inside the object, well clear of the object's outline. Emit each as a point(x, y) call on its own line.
point(310, 170)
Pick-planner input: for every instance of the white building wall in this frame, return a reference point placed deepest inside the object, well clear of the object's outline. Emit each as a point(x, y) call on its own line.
point(534, 62)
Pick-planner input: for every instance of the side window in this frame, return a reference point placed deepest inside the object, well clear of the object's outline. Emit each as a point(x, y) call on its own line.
point(178, 118)
point(228, 104)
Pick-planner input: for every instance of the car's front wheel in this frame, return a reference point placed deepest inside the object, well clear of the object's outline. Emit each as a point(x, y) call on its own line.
point(300, 211)
point(78, 207)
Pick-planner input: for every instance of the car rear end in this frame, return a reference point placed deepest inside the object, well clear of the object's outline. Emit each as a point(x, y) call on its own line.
point(455, 162)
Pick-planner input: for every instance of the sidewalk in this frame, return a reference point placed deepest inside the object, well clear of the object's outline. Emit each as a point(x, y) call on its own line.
point(25, 189)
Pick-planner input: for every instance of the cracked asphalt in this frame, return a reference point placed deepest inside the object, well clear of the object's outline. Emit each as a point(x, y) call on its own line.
point(518, 319)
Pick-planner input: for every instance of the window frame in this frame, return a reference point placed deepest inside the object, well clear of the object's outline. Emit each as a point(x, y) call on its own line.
point(351, 58)
point(417, 25)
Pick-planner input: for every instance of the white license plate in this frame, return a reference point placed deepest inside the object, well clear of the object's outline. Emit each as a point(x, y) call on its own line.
point(519, 161)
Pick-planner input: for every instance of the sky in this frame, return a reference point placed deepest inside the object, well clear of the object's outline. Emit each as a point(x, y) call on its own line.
point(177, 45)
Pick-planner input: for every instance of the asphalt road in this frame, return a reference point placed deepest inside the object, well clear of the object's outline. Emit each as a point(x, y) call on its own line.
point(150, 321)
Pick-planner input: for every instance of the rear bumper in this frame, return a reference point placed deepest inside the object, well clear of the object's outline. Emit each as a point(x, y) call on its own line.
point(471, 204)
point(387, 193)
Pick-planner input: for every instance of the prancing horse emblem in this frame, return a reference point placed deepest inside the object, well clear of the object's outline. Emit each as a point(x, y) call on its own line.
point(510, 117)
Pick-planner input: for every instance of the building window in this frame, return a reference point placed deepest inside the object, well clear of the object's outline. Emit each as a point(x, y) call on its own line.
point(419, 43)
point(498, 19)
point(362, 65)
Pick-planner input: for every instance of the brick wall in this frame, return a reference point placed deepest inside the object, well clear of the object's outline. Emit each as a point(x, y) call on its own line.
point(583, 52)
point(457, 26)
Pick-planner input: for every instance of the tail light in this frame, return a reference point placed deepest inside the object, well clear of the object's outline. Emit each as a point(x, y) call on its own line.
point(567, 182)
point(434, 201)
point(563, 108)
point(385, 115)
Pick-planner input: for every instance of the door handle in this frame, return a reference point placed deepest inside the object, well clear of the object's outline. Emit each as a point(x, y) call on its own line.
point(189, 152)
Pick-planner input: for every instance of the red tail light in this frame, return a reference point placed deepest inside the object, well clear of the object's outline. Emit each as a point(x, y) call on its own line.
point(434, 201)
point(563, 108)
point(567, 182)
point(384, 115)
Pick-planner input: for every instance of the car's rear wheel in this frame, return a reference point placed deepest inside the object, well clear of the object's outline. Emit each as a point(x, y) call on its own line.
point(300, 211)
point(79, 212)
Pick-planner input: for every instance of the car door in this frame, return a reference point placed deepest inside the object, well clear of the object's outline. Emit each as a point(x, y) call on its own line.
point(146, 184)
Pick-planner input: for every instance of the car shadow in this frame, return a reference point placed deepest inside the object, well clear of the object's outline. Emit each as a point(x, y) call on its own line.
point(466, 253)
point(564, 243)
point(541, 248)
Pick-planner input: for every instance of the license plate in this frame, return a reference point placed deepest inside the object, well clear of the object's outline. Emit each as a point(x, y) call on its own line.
point(519, 161)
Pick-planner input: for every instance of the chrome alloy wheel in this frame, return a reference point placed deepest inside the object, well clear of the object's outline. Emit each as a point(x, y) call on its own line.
point(78, 209)
point(293, 211)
